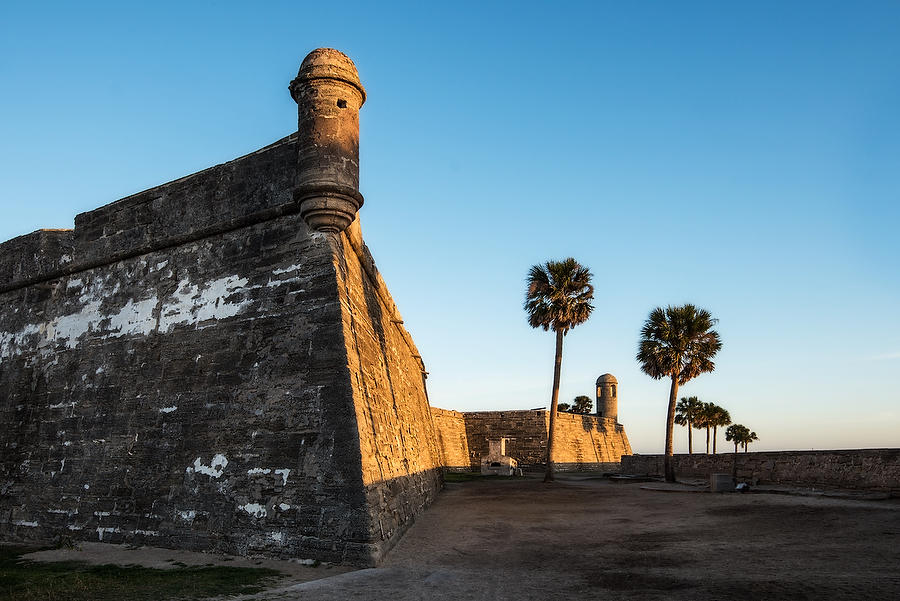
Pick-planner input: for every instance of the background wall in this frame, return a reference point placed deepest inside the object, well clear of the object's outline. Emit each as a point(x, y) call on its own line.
point(877, 469)
point(583, 441)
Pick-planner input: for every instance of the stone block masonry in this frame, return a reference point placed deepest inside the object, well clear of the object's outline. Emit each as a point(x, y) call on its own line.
point(585, 442)
point(863, 469)
point(450, 427)
point(198, 367)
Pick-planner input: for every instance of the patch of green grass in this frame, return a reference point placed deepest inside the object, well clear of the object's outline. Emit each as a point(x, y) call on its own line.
point(22, 580)
point(470, 476)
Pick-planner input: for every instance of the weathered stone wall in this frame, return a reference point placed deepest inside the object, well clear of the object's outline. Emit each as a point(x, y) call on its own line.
point(450, 428)
point(179, 371)
point(526, 432)
point(401, 459)
point(585, 442)
point(868, 469)
point(589, 442)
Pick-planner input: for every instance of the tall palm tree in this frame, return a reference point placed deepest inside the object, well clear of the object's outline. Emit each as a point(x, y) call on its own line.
point(686, 413)
point(558, 298)
point(678, 343)
point(720, 417)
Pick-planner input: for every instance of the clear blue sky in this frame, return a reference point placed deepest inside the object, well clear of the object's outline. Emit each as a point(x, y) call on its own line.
point(745, 159)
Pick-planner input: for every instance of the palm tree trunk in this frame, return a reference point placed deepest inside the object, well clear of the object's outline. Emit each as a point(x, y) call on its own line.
point(690, 441)
point(734, 463)
point(554, 401)
point(669, 468)
point(715, 432)
point(707, 440)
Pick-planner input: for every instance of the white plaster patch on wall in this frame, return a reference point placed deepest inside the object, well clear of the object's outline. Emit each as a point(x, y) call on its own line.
point(101, 531)
point(258, 470)
point(284, 474)
point(69, 512)
point(283, 506)
point(254, 509)
point(187, 515)
point(134, 318)
point(147, 532)
point(25, 523)
point(190, 304)
point(276, 537)
point(273, 283)
point(215, 468)
point(168, 409)
point(286, 269)
point(193, 304)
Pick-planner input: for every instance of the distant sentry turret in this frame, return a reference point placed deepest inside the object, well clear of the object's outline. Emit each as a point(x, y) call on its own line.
point(329, 95)
point(607, 401)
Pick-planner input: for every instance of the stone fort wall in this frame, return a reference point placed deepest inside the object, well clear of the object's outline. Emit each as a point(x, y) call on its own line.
point(865, 469)
point(192, 367)
point(584, 442)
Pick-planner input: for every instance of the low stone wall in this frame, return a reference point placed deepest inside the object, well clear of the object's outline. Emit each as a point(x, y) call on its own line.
point(585, 442)
point(865, 469)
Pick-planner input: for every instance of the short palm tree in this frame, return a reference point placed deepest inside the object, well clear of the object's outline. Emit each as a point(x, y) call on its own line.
point(751, 436)
point(735, 433)
point(677, 343)
point(558, 298)
point(582, 404)
point(740, 435)
point(686, 413)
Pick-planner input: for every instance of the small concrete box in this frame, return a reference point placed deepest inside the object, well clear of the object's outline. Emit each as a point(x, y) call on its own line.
point(496, 462)
point(721, 483)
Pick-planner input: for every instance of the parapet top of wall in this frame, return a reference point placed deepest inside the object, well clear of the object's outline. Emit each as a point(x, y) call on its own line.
point(246, 190)
point(529, 413)
point(34, 254)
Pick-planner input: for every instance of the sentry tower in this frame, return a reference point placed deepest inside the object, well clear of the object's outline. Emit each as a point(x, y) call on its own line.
point(607, 401)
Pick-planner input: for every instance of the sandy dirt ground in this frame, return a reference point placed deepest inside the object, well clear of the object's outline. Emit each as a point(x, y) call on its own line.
point(587, 538)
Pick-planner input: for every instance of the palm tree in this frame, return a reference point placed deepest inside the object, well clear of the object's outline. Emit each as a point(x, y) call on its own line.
point(558, 298)
point(678, 343)
point(582, 404)
point(751, 436)
point(720, 417)
point(735, 433)
point(686, 413)
point(740, 435)
point(704, 420)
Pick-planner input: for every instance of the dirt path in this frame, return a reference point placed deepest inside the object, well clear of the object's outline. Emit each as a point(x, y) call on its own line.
point(592, 539)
